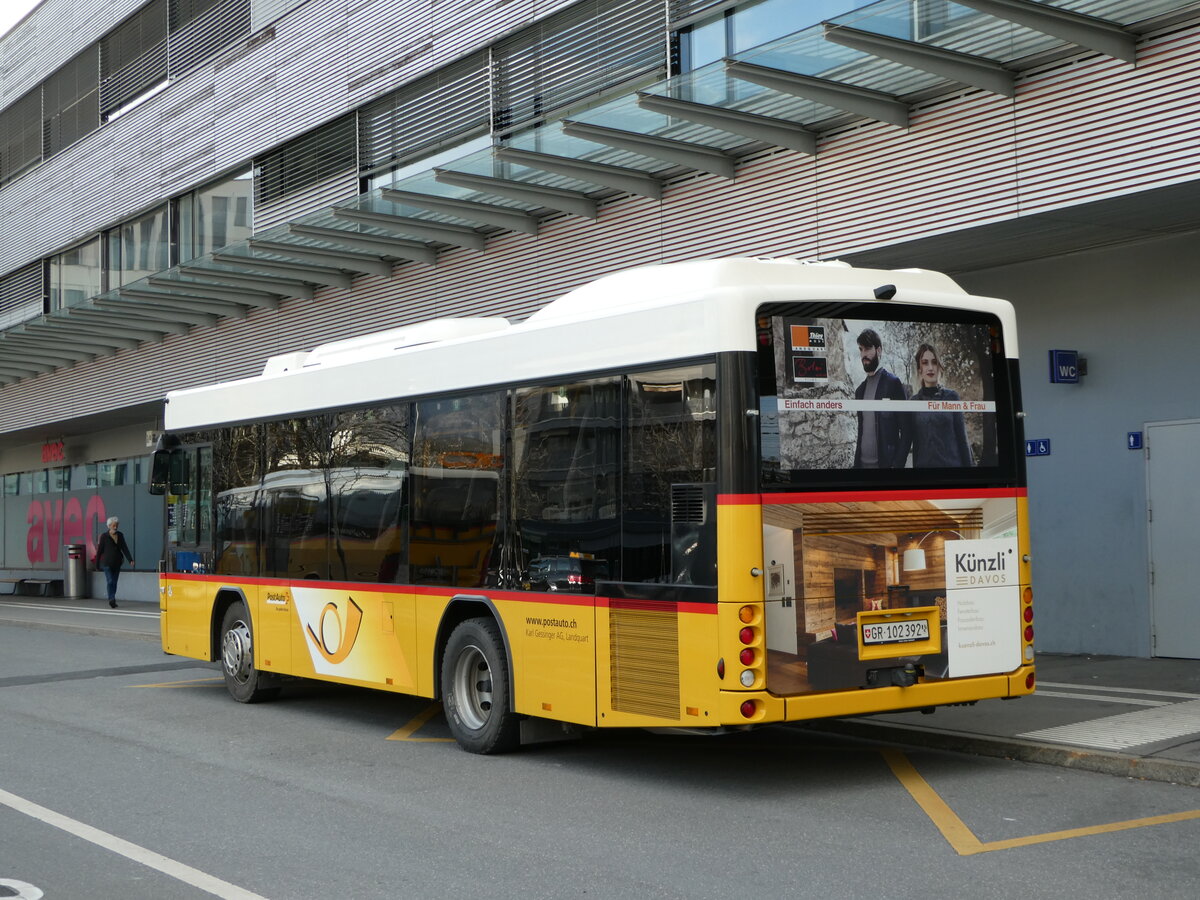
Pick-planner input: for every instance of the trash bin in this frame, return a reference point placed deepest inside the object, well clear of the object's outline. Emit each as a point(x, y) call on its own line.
point(75, 574)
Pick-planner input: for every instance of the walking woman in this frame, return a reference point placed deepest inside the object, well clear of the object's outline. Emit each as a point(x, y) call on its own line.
point(111, 551)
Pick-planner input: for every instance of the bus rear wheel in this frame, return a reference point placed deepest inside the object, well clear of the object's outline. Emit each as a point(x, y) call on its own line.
point(475, 689)
point(245, 683)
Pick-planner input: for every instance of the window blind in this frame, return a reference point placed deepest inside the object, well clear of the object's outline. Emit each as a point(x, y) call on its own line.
point(21, 294)
point(199, 28)
point(579, 52)
point(310, 158)
point(71, 101)
point(133, 56)
point(21, 135)
point(437, 110)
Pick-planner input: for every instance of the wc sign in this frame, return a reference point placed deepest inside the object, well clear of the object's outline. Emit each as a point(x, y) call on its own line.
point(1064, 367)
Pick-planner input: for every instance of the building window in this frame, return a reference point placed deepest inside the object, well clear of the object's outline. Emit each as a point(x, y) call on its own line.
point(751, 24)
point(21, 135)
point(138, 248)
point(76, 275)
point(582, 52)
point(71, 101)
point(215, 216)
point(22, 294)
point(306, 160)
point(133, 59)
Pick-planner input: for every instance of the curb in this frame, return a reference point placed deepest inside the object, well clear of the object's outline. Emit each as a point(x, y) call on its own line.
point(1101, 761)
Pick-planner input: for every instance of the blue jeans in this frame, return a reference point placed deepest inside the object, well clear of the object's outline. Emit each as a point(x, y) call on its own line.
point(111, 573)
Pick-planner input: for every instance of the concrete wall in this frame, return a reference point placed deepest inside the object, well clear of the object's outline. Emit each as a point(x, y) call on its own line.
point(1132, 311)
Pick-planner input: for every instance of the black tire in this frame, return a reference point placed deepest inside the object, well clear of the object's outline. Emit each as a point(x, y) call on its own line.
point(245, 683)
point(475, 689)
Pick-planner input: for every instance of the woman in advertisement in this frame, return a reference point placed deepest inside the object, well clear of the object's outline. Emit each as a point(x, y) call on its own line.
point(939, 437)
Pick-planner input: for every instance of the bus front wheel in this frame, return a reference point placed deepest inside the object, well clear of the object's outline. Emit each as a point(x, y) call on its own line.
point(476, 691)
point(245, 683)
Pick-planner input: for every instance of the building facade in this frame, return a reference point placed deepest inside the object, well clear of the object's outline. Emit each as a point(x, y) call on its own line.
point(188, 187)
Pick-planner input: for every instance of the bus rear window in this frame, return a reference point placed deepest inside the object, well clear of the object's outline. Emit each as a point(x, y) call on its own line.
point(874, 395)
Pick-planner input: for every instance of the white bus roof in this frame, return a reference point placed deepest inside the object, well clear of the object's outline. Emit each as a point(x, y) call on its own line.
point(631, 318)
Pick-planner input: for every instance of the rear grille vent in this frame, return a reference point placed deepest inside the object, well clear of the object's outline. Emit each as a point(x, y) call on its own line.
point(644, 656)
point(687, 503)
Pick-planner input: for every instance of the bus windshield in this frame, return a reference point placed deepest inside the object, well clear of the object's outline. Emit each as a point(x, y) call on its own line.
point(849, 397)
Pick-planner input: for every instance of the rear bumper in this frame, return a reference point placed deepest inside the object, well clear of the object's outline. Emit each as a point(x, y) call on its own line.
point(862, 701)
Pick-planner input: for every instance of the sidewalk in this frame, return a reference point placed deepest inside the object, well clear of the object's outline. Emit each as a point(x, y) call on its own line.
point(1138, 718)
point(135, 619)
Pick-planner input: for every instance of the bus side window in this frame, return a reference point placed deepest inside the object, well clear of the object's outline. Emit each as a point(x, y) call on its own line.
point(670, 442)
point(567, 463)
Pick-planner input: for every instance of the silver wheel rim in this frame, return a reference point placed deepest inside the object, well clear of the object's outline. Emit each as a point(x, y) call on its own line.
point(237, 653)
point(473, 687)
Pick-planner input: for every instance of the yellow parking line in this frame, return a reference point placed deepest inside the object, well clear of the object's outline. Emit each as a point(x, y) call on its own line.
point(953, 829)
point(406, 733)
point(963, 840)
point(1094, 829)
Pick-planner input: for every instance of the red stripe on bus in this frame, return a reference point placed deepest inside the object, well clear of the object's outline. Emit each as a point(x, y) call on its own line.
point(549, 598)
point(861, 496)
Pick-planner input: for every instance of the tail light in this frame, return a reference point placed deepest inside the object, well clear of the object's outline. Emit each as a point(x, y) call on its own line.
point(750, 636)
point(1027, 615)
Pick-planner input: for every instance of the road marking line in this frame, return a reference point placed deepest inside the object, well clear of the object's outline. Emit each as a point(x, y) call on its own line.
point(1093, 829)
point(1129, 701)
point(1117, 690)
point(415, 724)
point(963, 840)
point(178, 684)
point(177, 870)
point(1133, 729)
point(959, 836)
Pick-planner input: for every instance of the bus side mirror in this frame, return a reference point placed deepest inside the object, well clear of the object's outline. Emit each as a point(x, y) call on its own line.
point(178, 481)
point(160, 469)
point(169, 472)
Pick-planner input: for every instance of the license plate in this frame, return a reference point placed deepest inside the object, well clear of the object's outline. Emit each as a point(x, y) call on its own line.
point(896, 632)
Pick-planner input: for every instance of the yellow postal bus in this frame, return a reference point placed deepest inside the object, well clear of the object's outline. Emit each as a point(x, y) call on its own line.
point(704, 495)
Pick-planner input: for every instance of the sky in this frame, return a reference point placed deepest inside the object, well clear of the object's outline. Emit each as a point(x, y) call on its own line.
point(12, 11)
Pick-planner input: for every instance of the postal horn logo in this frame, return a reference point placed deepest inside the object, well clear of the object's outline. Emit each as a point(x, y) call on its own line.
point(337, 633)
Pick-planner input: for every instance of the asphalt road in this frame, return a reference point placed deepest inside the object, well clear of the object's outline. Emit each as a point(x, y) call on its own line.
point(129, 774)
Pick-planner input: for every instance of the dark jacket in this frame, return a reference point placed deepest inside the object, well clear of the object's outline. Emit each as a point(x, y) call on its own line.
point(891, 428)
point(110, 553)
point(939, 438)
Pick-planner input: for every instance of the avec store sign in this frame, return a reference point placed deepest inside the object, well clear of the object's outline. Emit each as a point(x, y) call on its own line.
point(54, 523)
